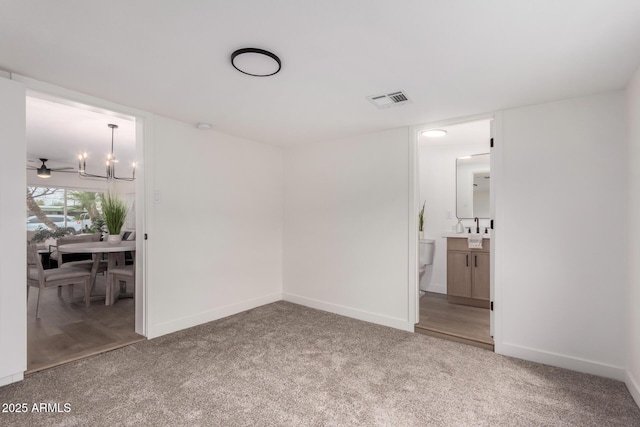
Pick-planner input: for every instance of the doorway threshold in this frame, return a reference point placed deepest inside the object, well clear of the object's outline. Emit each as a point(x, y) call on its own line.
point(93, 352)
point(454, 322)
point(453, 337)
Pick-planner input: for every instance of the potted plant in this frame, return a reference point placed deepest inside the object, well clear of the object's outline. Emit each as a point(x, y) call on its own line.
point(114, 212)
point(421, 222)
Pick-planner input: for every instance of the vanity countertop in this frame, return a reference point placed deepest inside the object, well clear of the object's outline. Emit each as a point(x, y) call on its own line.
point(462, 235)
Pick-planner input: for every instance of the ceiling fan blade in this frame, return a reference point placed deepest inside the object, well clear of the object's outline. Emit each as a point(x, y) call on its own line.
point(47, 171)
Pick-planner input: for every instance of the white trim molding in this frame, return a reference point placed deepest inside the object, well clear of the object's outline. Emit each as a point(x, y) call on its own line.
point(18, 376)
point(633, 385)
point(354, 313)
point(563, 361)
point(211, 315)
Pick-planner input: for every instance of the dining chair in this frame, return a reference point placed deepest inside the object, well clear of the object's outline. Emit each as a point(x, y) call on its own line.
point(116, 276)
point(87, 263)
point(40, 278)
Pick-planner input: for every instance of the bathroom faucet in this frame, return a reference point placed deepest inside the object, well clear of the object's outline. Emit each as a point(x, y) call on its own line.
point(477, 225)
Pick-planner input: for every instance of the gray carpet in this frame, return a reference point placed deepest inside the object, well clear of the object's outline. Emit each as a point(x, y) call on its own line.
point(288, 365)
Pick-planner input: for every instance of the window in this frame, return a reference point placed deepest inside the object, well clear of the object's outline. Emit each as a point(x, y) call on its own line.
point(55, 208)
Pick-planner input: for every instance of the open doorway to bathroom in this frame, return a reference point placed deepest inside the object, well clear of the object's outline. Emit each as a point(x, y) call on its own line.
point(454, 181)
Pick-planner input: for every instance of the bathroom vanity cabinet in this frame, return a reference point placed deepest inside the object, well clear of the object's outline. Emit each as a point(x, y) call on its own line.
point(468, 273)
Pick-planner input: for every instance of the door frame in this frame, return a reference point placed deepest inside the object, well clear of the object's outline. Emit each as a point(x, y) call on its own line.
point(496, 191)
point(13, 316)
point(144, 144)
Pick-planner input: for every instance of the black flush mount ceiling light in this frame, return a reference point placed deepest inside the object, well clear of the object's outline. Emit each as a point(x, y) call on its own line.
point(256, 62)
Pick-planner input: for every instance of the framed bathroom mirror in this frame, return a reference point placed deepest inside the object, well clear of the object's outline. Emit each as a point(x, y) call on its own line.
point(473, 175)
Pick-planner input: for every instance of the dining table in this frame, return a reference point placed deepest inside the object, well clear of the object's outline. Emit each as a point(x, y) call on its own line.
point(115, 253)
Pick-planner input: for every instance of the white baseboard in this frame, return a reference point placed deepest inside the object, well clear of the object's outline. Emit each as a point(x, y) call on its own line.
point(438, 288)
point(211, 315)
point(634, 386)
point(562, 361)
point(11, 379)
point(355, 313)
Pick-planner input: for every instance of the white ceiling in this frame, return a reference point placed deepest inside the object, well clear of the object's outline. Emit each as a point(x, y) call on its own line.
point(453, 58)
point(60, 132)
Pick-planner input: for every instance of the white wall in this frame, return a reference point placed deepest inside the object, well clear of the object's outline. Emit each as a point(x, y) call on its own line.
point(561, 253)
point(633, 291)
point(437, 164)
point(346, 226)
point(13, 310)
point(215, 231)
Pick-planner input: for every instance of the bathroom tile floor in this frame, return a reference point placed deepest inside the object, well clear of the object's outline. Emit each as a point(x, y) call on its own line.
point(454, 322)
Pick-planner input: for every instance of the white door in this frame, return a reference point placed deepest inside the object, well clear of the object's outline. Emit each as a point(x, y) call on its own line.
point(13, 249)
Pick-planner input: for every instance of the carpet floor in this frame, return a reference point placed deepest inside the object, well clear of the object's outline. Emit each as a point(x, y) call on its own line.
point(287, 365)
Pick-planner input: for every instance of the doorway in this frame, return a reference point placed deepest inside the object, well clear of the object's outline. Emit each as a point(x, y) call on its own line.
point(453, 184)
point(58, 130)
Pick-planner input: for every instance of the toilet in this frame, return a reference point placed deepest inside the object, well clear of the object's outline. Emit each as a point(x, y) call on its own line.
point(425, 254)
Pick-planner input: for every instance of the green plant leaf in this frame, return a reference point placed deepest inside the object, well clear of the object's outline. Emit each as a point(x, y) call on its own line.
point(114, 212)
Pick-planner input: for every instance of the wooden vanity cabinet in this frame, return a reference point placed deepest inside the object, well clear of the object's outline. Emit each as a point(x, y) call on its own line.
point(468, 273)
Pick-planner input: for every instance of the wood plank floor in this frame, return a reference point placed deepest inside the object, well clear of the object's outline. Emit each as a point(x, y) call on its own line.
point(439, 318)
point(67, 331)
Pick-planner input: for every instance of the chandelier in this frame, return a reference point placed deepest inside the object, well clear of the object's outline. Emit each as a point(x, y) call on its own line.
point(111, 164)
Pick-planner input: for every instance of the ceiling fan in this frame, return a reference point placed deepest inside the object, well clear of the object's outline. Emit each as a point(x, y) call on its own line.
point(45, 172)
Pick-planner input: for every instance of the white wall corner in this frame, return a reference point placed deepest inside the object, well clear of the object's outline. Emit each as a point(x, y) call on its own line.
point(211, 315)
point(562, 361)
point(367, 316)
point(18, 376)
point(356, 258)
point(438, 288)
point(633, 385)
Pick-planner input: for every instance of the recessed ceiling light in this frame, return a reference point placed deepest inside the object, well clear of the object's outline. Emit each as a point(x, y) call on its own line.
point(434, 133)
point(255, 62)
point(203, 126)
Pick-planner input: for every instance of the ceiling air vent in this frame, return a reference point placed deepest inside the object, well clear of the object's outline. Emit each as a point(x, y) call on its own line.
point(389, 100)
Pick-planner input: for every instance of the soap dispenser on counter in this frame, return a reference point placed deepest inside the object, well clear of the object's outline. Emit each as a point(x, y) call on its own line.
point(459, 227)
